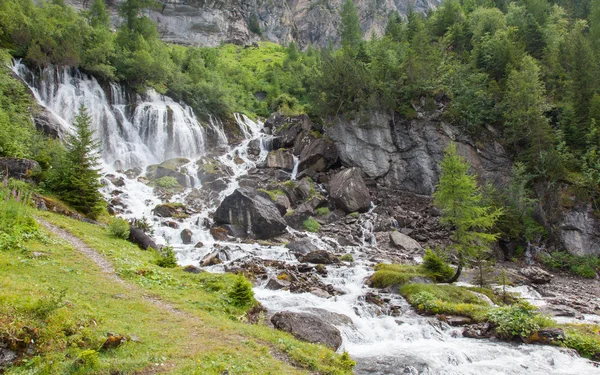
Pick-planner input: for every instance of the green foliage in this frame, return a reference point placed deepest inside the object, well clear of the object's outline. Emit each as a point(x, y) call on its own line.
point(460, 200)
point(436, 266)
point(347, 258)
point(396, 274)
point(166, 257)
point(584, 266)
point(253, 25)
point(241, 293)
point(585, 342)
point(350, 31)
point(322, 211)
point(311, 225)
point(119, 228)
point(167, 182)
point(16, 223)
point(515, 320)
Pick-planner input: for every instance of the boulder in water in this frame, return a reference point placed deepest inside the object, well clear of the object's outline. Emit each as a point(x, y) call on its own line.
point(319, 257)
point(308, 327)
point(281, 159)
point(547, 336)
point(170, 210)
point(348, 191)
point(256, 216)
point(302, 247)
point(186, 236)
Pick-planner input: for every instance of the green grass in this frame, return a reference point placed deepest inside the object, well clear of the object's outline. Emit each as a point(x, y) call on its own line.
point(272, 193)
point(445, 299)
point(322, 211)
point(167, 182)
point(311, 225)
point(584, 338)
point(584, 266)
point(82, 304)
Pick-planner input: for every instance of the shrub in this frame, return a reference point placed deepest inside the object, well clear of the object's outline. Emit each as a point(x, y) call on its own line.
point(167, 182)
point(394, 274)
point(584, 266)
point(354, 214)
point(241, 293)
point(515, 320)
point(586, 344)
point(436, 266)
point(89, 358)
point(322, 211)
point(143, 224)
point(119, 228)
point(166, 257)
point(347, 258)
point(311, 225)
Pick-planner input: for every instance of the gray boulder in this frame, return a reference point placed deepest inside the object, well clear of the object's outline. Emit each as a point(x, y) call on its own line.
point(404, 242)
point(140, 238)
point(318, 156)
point(536, 275)
point(302, 247)
point(253, 215)
point(281, 159)
point(580, 231)
point(186, 236)
point(17, 168)
point(319, 257)
point(348, 191)
point(308, 327)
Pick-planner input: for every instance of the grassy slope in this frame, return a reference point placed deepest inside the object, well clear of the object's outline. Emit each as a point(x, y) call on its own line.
point(204, 338)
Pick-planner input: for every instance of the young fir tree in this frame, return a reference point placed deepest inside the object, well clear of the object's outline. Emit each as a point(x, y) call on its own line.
point(82, 178)
point(241, 293)
point(351, 33)
point(460, 201)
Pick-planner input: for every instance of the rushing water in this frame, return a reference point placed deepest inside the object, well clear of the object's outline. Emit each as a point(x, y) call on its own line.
point(137, 131)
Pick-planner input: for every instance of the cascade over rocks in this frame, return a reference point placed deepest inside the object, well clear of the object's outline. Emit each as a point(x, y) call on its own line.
point(348, 191)
point(308, 327)
point(169, 168)
point(253, 215)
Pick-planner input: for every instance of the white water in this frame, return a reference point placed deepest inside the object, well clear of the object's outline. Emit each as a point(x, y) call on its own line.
point(158, 128)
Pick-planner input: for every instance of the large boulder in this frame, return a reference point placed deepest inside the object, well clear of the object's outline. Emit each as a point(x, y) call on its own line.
point(536, 275)
point(308, 327)
point(281, 159)
point(213, 175)
point(253, 215)
point(46, 122)
point(174, 209)
point(169, 168)
point(318, 156)
point(17, 168)
point(349, 192)
point(319, 257)
point(140, 238)
point(404, 242)
point(286, 128)
point(302, 247)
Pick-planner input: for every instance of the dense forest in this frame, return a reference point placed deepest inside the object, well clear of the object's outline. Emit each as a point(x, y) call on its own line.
point(527, 68)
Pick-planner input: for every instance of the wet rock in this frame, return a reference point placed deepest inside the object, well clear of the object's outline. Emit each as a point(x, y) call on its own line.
point(478, 331)
point(211, 259)
point(219, 234)
point(132, 173)
point(308, 327)
point(455, 321)
point(169, 168)
point(349, 192)
point(198, 245)
point(546, 336)
point(255, 215)
point(404, 242)
point(193, 269)
point(186, 236)
point(170, 210)
point(318, 156)
point(213, 175)
point(171, 224)
point(276, 283)
point(301, 247)
point(46, 122)
point(281, 159)
point(319, 257)
point(18, 168)
point(536, 275)
point(319, 292)
point(140, 238)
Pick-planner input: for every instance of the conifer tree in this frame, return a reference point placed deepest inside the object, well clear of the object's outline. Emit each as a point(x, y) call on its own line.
point(82, 179)
point(460, 201)
point(351, 33)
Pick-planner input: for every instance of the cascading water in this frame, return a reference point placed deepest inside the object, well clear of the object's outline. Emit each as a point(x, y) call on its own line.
point(157, 128)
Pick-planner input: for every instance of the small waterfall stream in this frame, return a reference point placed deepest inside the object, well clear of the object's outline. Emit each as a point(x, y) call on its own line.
point(148, 129)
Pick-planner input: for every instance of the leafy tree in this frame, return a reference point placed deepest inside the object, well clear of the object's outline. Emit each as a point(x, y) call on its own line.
point(460, 201)
point(82, 178)
point(98, 15)
point(350, 30)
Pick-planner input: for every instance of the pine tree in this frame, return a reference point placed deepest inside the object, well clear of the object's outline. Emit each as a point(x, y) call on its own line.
point(80, 189)
point(241, 293)
point(460, 201)
point(98, 15)
point(351, 33)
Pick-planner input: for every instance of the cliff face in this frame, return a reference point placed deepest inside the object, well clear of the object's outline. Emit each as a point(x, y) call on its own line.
point(316, 22)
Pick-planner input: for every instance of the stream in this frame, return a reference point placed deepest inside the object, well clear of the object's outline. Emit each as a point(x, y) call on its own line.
point(141, 130)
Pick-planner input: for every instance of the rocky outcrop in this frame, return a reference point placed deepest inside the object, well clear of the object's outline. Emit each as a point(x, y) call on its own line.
point(318, 156)
point(17, 168)
point(580, 231)
point(169, 168)
point(536, 275)
point(281, 159)
point(170, 210)
point(348, 191)
point(46, 122)
point(308, 327)
point(319, 257)
point(250, 215)
point(308, 22)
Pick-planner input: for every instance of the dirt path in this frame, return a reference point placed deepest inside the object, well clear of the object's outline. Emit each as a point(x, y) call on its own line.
point(108, 268)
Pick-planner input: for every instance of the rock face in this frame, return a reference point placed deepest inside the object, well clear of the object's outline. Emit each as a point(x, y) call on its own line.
point(208, 23)
point(406, 152)
point(349, 192)
point(308, 327)
point(251, 214)
point(318, 156)
point(580, 232)
point(17, 168)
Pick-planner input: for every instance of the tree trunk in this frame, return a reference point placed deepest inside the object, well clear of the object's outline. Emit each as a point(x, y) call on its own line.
point(458, 270)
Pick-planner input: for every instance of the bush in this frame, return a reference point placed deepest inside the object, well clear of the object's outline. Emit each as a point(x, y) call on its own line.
point(394, 274)
point(588, 345)
point(347, 258)
point(167, 182)
point(584, 266)
point(311, 225)
point(322, 211)
point(436, 266)
point(143, 224)
point(119, 228)
point(241, 293)
point(517, 320)
point(166, 257)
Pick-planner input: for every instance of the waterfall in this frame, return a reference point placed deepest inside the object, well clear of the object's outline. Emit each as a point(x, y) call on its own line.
point(148, 129)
